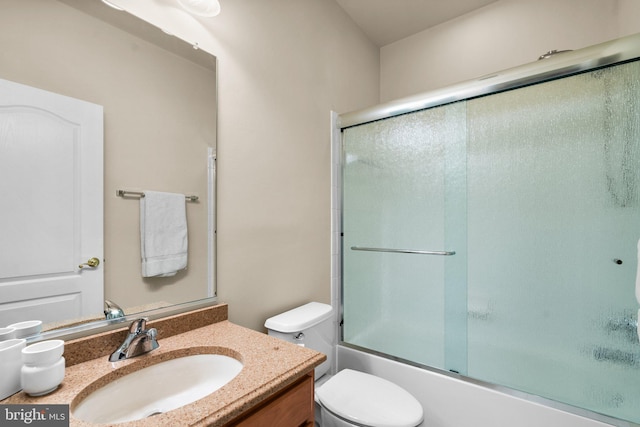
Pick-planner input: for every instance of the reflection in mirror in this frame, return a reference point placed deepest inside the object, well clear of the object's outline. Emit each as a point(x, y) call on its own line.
point(158, 100)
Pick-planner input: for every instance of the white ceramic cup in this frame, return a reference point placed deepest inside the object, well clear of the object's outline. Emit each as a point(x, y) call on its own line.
point(43, 353)
point(10, 365)
point(7, 334)
point(27, 329)
point(41, 380)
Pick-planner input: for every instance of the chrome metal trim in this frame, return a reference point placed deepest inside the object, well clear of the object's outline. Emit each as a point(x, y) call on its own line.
point(554, 404)
point(403, 251)
point(600, 55)
point(140, 194)
point(211, 222)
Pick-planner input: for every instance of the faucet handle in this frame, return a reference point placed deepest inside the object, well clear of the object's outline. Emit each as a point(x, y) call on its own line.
point(152, 333)
point(138, 325)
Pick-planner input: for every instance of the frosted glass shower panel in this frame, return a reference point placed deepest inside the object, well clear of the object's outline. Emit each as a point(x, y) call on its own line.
point(394, 198)
point(537, 190)
point(553, 223)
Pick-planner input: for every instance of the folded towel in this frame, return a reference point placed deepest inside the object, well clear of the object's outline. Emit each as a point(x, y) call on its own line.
point(163, 233)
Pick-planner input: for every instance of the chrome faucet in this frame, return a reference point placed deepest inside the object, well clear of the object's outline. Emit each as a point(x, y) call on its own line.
point(112, 310)
point(139, 341)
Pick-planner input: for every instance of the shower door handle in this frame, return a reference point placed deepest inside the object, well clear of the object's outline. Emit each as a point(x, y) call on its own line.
point(403, 251)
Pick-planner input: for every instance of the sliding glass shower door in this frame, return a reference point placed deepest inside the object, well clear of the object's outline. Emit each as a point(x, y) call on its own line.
point(497, 237)
point(554, 221)
point(400, 238)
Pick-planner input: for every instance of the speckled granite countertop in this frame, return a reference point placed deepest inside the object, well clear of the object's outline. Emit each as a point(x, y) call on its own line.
point(270, 365)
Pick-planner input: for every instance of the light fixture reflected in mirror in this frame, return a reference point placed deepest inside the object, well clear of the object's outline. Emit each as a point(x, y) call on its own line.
point(207, 8)
point(108, 3)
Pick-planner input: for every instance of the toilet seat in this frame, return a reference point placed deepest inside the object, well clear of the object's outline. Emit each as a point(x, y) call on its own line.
point(365, 399)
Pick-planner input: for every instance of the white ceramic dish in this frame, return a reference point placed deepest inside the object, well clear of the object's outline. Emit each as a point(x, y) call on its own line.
point(41, 380)
point(28, 328)
point(43, 353)
point(7, 334)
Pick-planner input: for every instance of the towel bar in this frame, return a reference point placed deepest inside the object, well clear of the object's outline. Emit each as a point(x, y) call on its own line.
point(125, 193)
point(403, 251)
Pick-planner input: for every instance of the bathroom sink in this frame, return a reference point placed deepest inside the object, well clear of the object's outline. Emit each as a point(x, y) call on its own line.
point(158, 388)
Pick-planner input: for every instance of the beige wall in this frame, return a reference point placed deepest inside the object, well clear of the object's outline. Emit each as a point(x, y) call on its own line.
point(151, 141)
point(286, 65)
point(628, 13)
point(502, 35)
point(283, 66)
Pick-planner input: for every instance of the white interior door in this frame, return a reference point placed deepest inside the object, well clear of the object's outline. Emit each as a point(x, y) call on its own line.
point(51, 205)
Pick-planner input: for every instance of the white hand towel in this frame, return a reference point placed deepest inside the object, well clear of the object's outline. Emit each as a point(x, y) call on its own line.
point(163, 233)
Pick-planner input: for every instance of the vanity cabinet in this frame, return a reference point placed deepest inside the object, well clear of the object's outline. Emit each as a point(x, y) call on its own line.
point(291, 407)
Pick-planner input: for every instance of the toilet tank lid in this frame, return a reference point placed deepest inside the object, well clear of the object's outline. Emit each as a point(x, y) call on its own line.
point(299, 318)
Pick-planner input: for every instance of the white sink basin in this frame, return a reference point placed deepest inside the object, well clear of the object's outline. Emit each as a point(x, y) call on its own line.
point(158, 388)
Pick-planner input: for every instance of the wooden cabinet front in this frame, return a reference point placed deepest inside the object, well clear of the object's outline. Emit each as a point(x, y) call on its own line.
point(292, 407)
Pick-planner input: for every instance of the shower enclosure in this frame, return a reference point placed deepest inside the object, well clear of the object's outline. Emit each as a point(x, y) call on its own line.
point(494, 234)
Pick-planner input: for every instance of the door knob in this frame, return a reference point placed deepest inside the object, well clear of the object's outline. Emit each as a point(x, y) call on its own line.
point(92, 262)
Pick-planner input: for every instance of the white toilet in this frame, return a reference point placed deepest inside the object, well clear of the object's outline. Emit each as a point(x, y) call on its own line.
point(348, 398)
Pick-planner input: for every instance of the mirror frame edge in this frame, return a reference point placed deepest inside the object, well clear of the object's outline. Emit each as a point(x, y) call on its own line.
point(100, 326)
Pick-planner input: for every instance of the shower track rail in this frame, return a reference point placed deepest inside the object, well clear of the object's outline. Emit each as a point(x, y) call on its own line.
point(403, 251)
point(573, 62)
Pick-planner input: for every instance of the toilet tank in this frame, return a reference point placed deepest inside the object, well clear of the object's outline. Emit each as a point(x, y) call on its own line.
point(310, 325)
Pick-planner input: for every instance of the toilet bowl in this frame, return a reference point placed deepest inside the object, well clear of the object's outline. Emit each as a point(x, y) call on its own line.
point(348, 398)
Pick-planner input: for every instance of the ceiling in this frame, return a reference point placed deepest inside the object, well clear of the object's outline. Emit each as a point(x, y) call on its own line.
point(387, 21)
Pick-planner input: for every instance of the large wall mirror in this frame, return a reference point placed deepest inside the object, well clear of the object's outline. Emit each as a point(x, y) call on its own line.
point(158, 96)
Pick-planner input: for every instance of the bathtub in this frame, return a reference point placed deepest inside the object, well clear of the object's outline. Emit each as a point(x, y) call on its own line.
point(452, 402)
